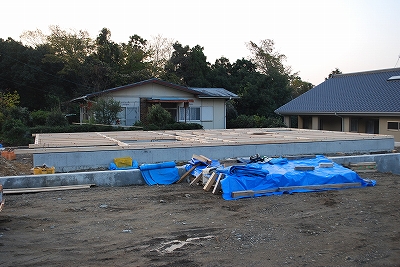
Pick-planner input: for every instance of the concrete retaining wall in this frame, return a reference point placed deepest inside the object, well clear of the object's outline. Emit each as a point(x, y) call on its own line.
point(385, 163)
point(100, 178)
point(84, 160)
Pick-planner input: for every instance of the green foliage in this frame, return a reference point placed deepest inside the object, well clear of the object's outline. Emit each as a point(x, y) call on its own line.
point(39, 117)
point(15, 133)
point(105, 110)
point(254, 121)
point(56, 118)
point(173, 126)
point(188, 66)
point(299, 87)
point(333, 73)
point(158, 116)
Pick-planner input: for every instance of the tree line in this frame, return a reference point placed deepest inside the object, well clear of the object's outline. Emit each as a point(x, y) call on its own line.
point(44, 72)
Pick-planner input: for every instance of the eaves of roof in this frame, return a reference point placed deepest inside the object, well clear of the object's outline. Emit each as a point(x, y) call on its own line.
point(367, 114)
point(212, 93)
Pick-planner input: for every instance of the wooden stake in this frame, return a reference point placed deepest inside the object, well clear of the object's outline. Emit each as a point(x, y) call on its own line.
point(217, 185)
point(198, 177)
point(188, 172)
point(251, 193)
point(210, 182)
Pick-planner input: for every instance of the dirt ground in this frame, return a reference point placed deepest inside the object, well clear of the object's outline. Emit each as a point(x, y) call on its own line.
point(182, 225)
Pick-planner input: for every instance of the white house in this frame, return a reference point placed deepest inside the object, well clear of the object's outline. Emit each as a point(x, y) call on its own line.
point(206, 106)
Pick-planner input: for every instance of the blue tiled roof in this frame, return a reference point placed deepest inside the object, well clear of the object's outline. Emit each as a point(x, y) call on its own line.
point(362, 92)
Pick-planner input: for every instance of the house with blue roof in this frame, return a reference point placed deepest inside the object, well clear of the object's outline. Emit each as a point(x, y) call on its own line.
point(206, 106)
point(362, 102)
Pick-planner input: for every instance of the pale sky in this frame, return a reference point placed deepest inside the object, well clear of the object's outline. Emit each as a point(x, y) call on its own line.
point(316, 36)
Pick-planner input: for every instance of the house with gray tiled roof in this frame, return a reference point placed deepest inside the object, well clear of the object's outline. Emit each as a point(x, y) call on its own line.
point(363, 102)
point(205, 106)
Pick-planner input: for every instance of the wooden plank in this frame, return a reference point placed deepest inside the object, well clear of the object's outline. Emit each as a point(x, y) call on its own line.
point(210, 182)
point(251, 193)
point(362, 164)
point(326, 165)
point(188, 172)
point(46, 189)
point(198, 178)
point(304, 168)
point(202, 159)
point(217, 185)
point(2, 200)
point(300, 157)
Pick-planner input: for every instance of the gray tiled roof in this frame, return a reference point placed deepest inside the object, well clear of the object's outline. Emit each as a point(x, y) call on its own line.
point(214, 92)
point(362, 92)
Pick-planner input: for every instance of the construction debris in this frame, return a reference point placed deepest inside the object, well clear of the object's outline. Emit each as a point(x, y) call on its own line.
point(46, 189)
point(363, 166)
point(8, 154)
point(1, 198)
point(273, 176)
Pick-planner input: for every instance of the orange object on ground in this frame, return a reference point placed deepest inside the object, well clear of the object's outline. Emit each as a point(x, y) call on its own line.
point(9, 155)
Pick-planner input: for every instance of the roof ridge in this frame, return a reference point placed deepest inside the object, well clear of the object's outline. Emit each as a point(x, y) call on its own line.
point(366, 72)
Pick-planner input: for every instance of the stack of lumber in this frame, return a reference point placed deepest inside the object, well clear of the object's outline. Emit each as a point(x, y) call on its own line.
point(207, 178)
point(363, 166)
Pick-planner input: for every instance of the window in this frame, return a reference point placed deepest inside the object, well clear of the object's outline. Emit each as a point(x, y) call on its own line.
point(393, 125)
point(192, 114)
point(354, 125)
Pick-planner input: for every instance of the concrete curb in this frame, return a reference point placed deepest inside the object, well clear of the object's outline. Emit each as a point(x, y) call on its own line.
point(112, 178)
point(385, 163)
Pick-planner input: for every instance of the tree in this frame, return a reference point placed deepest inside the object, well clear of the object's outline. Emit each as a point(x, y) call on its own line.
point(107, 51)
point(267, 60)
point(299, 87)
point(188, 66)
point(69, 48)
point(220, 74)
point(133, 66)
point(333, 73)
point(105, 110)
point(159, 50)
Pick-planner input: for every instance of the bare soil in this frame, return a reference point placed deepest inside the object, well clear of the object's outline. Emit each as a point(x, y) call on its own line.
point(182, 225)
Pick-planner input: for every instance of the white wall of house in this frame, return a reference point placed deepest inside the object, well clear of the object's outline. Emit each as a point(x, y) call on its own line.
point(210, 113)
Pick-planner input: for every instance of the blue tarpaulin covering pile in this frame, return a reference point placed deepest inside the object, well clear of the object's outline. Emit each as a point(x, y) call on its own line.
point(160, 173)
point(279, 176)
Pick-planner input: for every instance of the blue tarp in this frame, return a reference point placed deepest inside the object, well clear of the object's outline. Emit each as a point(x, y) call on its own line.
point(281, 173)
point(160, 173)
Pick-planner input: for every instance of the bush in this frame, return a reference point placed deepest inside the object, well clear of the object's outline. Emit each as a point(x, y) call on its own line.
point(15, 133)
point(56, 118)
point(39, 117)
point(105, 111)
point(254, 121)
point(158, 116)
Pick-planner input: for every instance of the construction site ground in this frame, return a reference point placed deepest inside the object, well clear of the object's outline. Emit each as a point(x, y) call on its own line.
point(182, 225)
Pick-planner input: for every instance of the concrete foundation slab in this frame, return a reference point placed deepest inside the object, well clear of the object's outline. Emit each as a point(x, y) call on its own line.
point(83, 151)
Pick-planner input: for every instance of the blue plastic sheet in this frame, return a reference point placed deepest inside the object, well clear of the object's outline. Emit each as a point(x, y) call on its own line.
point(283, 174)
point(161, 173)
